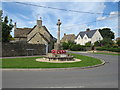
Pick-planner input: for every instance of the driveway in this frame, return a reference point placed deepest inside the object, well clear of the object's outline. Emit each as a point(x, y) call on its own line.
point(105, 76)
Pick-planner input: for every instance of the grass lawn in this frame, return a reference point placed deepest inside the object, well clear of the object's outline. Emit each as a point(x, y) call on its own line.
point(107, 53)
point(29, 62)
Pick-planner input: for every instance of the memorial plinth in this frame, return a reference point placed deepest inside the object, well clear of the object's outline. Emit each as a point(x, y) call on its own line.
point(58, 54)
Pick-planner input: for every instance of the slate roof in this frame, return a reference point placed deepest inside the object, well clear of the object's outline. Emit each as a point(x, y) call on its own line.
point(88, 33)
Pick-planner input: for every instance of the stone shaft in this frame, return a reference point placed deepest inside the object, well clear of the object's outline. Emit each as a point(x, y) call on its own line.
point(58, 40)
point(57, 46)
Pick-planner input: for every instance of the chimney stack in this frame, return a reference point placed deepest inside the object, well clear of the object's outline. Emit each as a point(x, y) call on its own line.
point(87, 30)
point(39, 22)
point(15, 26)
point(64, 34)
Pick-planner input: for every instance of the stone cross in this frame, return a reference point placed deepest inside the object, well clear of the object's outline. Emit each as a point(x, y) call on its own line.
point(59, 23)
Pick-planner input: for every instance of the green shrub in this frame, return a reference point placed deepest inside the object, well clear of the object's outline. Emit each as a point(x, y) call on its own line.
point(88, 44)
point(77, 47)
point(115, 46)
point(65, 45)
point(97, 43)
point(109, 49)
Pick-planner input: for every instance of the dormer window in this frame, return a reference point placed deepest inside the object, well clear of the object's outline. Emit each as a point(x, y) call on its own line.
point(85, 37)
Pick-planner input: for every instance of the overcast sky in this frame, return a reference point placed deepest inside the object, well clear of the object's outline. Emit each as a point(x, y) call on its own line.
point(72, 22)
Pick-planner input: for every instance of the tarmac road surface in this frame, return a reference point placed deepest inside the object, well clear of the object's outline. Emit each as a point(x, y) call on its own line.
point(105, 76)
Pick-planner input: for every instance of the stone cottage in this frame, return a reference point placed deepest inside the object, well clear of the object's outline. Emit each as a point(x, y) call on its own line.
point(88, 36)
point(68, 37)
point(39, 34)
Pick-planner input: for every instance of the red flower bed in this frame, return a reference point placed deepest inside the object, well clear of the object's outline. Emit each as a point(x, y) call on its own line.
point(58, 51)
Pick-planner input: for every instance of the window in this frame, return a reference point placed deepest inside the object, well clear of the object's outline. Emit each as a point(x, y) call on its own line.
point(78, 38)
point(85, 37)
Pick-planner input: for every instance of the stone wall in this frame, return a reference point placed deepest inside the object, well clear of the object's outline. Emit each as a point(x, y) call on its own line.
point(22, 49)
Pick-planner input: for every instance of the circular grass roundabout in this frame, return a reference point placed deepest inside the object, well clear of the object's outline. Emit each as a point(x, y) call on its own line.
point(30, 62)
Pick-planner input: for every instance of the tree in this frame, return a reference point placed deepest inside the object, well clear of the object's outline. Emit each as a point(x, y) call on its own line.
point(97, 43)
point(1, 12)
point(118, 42)
point(1, 25)
point(107, 42)
point(65, 45)
point(107, 33)
point(6, 29)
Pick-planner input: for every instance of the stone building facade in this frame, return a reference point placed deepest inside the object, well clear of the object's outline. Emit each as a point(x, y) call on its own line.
point(68, 37)
point(39, 34)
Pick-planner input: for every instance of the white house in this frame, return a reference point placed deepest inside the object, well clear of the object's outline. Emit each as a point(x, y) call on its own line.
point(88, 36)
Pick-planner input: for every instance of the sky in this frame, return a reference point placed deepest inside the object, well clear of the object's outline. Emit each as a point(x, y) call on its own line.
point(104, 14)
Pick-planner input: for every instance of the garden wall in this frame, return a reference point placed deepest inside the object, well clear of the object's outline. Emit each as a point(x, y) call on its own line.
point(22, 49)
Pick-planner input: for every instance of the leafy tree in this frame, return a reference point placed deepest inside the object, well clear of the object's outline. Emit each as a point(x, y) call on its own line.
point(107, 33)
point(6, 29)
point(0, 25)
point(107, 42)
point(70, 44)
point(65, 45)
point(118, 42)
point(97, 43)
point(1, 12)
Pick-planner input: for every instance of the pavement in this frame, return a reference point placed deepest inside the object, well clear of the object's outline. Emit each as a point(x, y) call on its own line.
point(105, 76)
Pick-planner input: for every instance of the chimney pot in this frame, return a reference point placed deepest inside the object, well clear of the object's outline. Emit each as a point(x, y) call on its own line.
point(64, 34)
point(40, 18)
point(87, 29)
point(15, 25)
point(39, 22)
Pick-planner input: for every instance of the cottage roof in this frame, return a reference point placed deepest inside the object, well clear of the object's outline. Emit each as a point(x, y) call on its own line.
point(88, 33)
point(21, 32)
point(118, 38)
point(69, 36)
point(47, 30)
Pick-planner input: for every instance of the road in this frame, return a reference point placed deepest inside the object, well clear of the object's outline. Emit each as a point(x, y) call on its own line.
point(105, 76)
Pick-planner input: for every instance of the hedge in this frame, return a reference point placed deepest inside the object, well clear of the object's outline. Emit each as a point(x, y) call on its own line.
point(77, 48)
point(108, 49)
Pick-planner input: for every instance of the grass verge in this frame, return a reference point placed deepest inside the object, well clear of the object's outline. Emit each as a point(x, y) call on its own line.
point(30, 62)
point(107, 53)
